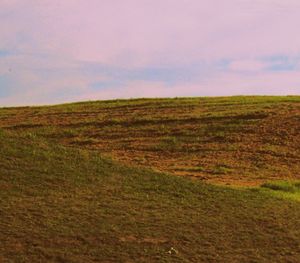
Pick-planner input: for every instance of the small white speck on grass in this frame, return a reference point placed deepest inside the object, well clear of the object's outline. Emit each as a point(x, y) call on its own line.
point(173, 251)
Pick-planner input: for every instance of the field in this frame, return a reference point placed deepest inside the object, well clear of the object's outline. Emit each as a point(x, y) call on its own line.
point(151, 180)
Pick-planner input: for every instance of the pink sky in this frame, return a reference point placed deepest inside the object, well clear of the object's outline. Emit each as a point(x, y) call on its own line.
point(55, 51)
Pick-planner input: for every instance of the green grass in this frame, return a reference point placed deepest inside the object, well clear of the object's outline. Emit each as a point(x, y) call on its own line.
point(285, 189)
point(222, 169)
point(64, 202)
point(69, 205)
point(243, 134)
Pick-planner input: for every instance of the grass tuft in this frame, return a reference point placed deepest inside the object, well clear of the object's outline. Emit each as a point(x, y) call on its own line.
point(285, 186)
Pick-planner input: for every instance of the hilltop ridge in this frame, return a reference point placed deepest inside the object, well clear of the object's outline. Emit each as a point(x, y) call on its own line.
point(228, 140)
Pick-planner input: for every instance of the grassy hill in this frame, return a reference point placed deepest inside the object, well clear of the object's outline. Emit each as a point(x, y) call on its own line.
point(65, 198)
point(236, 140)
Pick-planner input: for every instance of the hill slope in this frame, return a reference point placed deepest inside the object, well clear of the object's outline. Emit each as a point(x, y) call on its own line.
point(230, 140)
point(59, 204)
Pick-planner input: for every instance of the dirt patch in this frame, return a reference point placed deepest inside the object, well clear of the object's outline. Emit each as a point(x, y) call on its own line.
point(235, 142)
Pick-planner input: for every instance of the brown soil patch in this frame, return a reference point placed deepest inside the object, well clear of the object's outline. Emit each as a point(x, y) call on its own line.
point(222, 141)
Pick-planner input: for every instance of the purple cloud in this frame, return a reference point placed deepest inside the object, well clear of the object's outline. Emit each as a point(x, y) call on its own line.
point(55, 51)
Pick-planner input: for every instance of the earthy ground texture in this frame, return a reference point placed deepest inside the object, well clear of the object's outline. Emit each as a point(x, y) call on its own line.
point(237, 140)
point(94, 181)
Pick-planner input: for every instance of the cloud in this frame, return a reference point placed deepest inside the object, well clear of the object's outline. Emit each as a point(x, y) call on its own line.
point(53, 51)
point(273, 64)
point(247, 65)
point(287, 83)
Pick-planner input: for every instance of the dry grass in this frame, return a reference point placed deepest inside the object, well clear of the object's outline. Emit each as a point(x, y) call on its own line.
point(59, 204)
point(237, 140)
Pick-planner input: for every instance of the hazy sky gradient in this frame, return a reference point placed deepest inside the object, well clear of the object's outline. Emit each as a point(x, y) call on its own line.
point(54, 51)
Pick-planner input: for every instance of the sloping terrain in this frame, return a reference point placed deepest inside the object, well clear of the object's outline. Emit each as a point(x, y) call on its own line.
point(62, 204)
point(230, 140)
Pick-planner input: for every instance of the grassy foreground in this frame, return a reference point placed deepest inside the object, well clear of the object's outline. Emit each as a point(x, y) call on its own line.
point(69, 204)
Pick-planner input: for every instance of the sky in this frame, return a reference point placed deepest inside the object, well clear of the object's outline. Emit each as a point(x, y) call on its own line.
point(54, 51)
